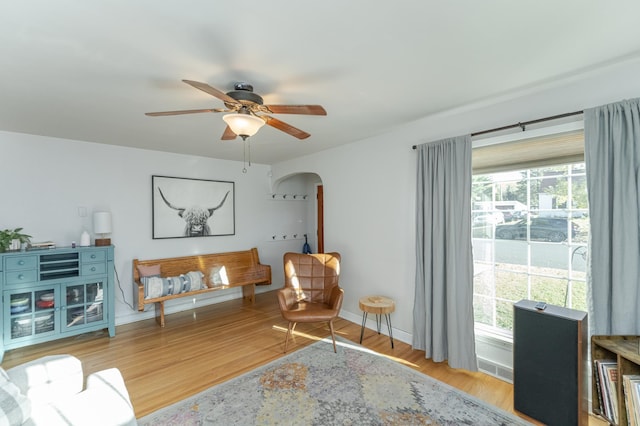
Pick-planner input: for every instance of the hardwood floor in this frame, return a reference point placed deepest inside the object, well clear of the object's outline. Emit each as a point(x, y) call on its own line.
point(209, 345)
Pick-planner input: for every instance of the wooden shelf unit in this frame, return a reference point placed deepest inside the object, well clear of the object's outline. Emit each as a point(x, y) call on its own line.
point(626, 352)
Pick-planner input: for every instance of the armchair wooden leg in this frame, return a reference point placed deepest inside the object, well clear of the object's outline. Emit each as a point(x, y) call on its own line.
point(290, 328)
point(333, 336)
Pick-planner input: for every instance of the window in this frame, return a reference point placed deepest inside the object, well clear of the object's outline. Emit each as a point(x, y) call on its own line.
point(530, 236)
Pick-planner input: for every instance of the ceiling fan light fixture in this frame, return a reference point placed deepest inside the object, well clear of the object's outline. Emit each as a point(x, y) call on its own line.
point(243, 125)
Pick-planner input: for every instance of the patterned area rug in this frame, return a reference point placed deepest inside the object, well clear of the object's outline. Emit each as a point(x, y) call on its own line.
point(315, 386)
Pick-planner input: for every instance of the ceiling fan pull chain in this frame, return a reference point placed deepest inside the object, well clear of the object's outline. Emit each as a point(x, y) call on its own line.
point(244, 156)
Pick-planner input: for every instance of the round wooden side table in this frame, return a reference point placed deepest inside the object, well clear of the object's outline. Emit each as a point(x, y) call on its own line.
point(378, 305)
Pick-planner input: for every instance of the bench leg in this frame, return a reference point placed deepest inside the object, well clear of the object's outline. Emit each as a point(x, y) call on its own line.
point(160, 313)
point(249, 292)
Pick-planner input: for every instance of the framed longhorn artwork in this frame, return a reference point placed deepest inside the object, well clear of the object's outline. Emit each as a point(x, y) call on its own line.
point(185, 208)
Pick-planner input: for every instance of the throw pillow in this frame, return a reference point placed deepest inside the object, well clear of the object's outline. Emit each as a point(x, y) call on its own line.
point(149, 270)
point(153, 287)
point(15, 408)
point(218, 276)
point(187, 285)
point(195, 277)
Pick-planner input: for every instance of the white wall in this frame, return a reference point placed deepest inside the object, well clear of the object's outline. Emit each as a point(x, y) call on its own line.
point(45, 181)
point(369, 186)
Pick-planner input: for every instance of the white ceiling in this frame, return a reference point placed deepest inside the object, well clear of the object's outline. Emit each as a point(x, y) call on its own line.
point(89, 69)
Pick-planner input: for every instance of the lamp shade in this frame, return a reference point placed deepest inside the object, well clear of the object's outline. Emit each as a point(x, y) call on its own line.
point(243, 125)
point(102, 222)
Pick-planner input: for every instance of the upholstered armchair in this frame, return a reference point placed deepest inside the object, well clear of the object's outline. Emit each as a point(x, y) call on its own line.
point(311, 292)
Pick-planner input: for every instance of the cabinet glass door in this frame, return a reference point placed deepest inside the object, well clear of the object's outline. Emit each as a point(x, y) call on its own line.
point(84, 304)
point(45, 307)
point(31, 313)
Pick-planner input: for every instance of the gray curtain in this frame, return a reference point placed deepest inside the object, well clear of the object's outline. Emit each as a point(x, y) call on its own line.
point(443, 323)
point(612, 157)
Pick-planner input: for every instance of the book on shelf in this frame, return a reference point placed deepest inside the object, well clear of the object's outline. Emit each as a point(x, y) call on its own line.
point(596, 378)
point(611, 371)
point(636, 398)
point(606, 382)
point(631, 387)
point(42, 245)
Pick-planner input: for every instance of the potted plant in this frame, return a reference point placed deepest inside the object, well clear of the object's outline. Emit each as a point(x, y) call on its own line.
point(8, 235)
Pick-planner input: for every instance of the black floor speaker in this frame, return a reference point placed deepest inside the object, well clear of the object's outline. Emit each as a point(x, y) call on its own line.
point(550, 364)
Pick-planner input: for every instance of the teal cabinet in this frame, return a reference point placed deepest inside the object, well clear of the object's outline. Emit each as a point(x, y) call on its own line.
point(55, 293)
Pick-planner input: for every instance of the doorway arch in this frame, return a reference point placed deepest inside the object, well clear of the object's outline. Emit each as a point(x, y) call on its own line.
point(309, 184)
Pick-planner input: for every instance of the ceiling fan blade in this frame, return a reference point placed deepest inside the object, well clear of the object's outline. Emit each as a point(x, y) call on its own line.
point(287, 128)
point(297, 109)
point(228, 134)
point(186, 111)
point(210, 90)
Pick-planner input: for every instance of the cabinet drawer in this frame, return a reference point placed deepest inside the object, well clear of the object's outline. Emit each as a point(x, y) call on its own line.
point(94, 269)
point(22, 262)
point(21, 277)
point(93, 256)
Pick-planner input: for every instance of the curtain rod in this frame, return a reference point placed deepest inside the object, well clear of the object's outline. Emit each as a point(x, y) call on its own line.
point(523, 124)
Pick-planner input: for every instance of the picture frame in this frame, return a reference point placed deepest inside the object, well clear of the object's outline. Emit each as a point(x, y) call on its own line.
point(188, 207)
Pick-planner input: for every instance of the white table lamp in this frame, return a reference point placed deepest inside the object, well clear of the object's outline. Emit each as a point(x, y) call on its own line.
point(102, 226)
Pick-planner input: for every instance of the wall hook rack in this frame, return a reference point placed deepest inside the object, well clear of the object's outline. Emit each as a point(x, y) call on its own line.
point(288, 197)
point(286, 236)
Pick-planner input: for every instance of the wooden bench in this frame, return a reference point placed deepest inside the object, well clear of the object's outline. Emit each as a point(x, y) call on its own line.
point(237, 269)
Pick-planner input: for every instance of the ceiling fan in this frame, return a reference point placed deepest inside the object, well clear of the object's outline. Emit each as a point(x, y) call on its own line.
point(247, 111)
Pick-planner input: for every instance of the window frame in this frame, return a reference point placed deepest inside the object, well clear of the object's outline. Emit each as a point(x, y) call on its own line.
point(570, 128)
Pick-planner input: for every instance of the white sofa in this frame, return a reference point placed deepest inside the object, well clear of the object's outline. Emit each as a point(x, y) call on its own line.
point(49, 391)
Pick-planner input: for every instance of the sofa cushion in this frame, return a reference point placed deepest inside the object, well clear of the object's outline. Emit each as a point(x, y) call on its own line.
point(15, 408)
point(95, 407)
point(49, 378)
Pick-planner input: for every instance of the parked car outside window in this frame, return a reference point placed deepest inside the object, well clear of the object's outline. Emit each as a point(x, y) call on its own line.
point(492, 218)
point(540, 228)
point(511, 214)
